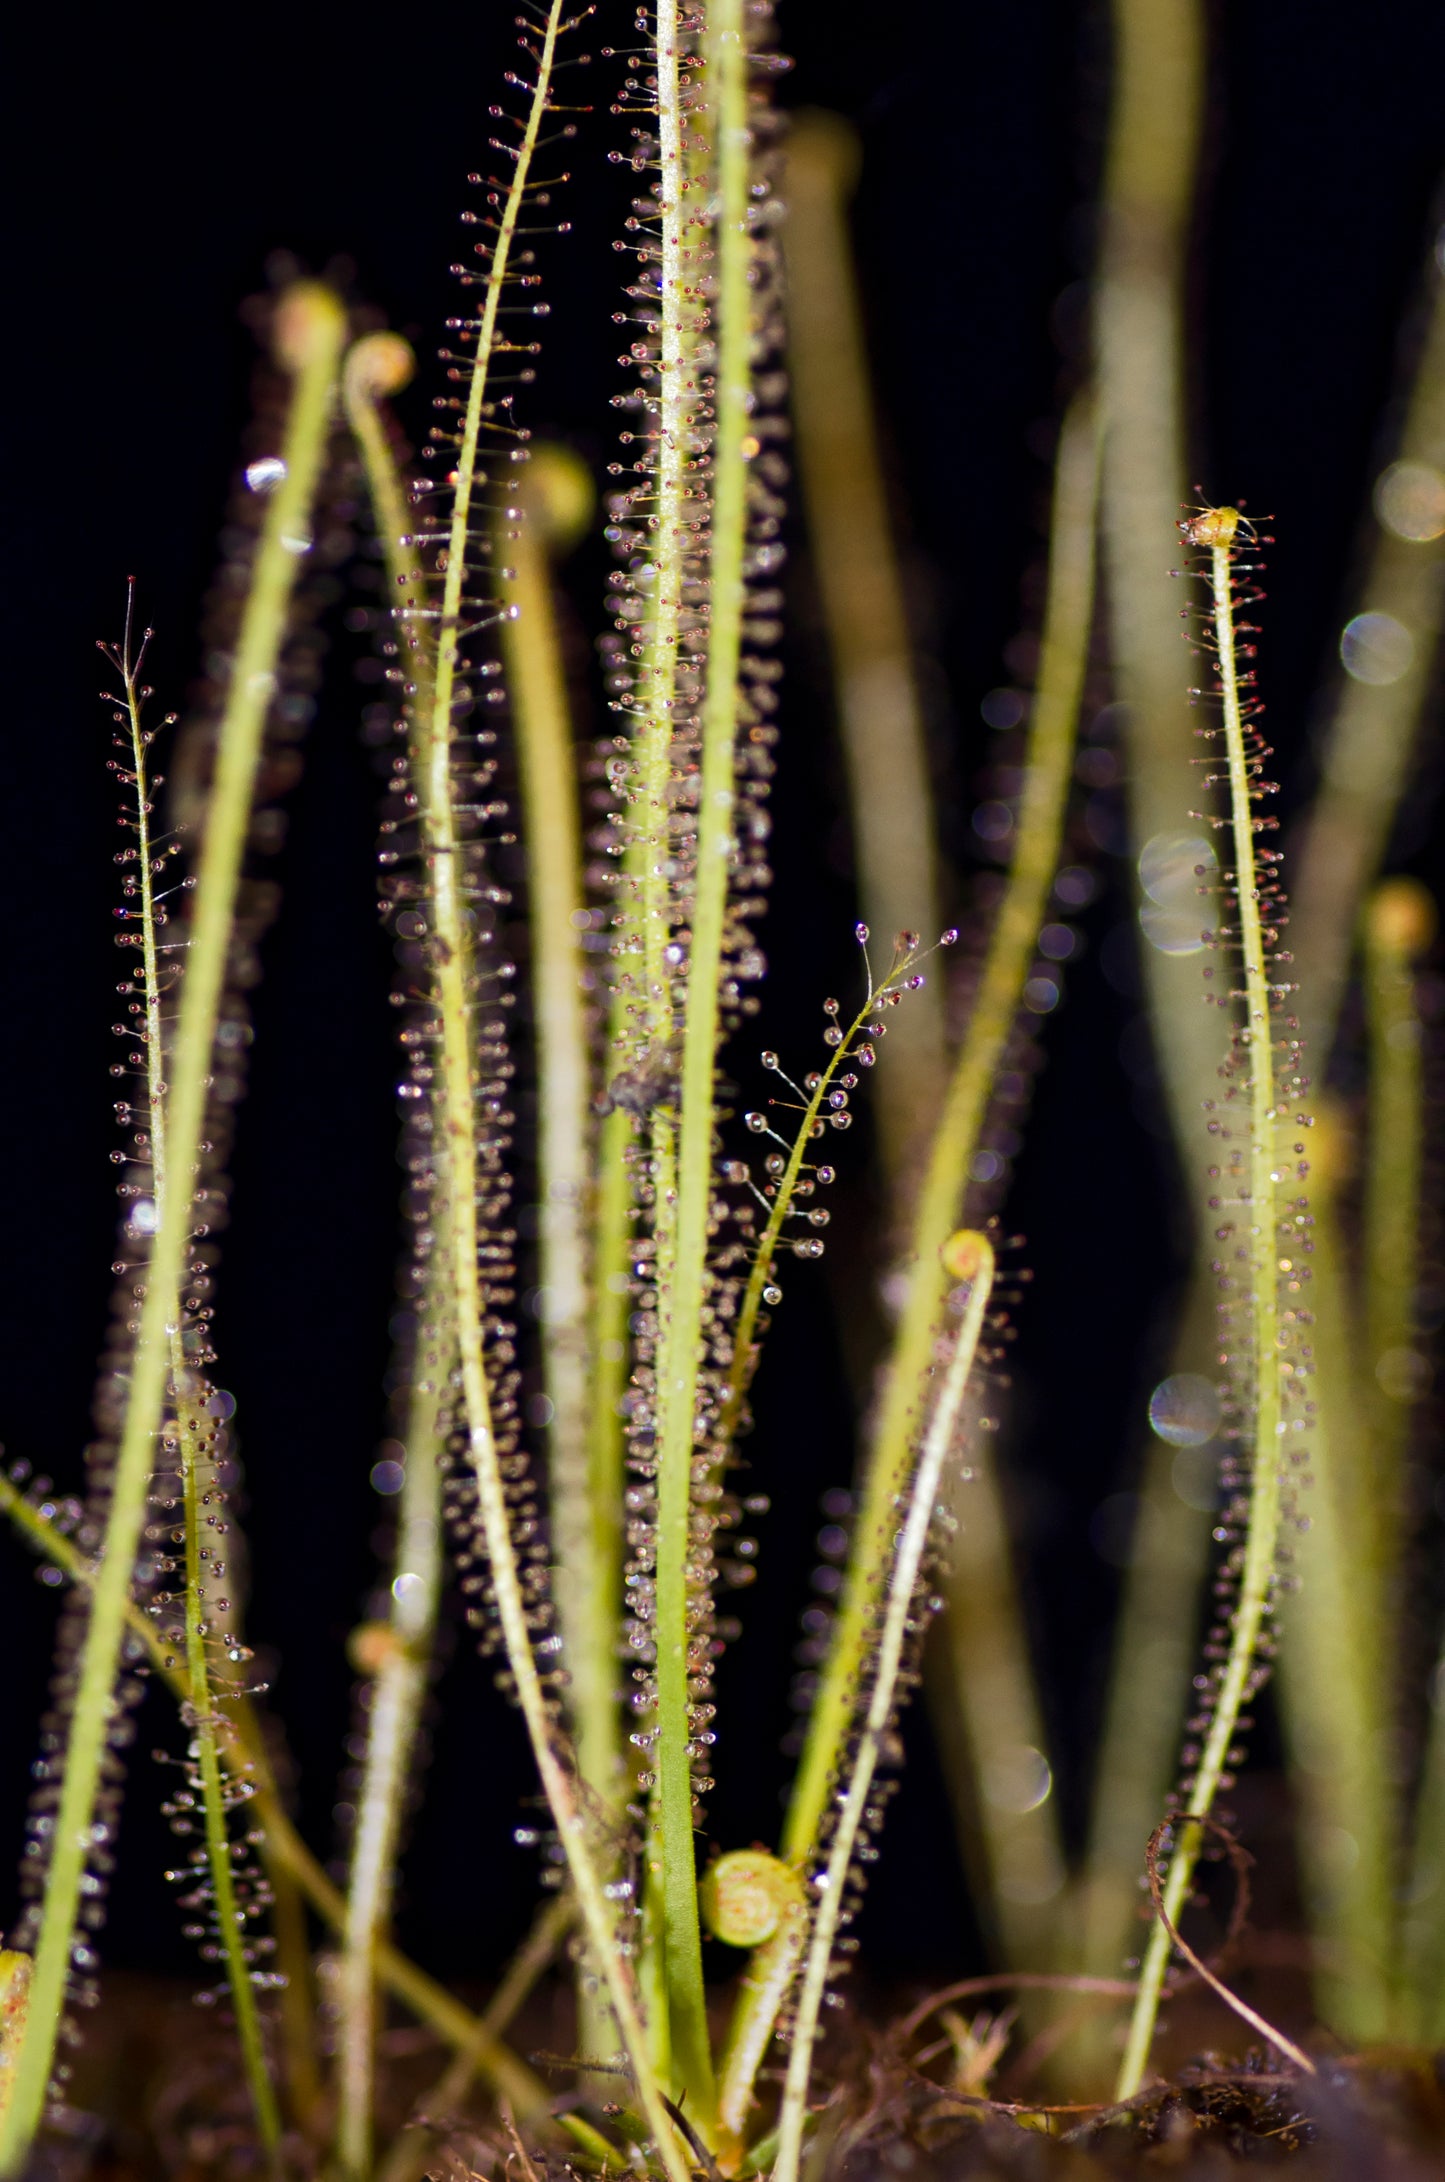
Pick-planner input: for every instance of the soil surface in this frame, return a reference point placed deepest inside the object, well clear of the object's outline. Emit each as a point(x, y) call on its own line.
point(157, 2096)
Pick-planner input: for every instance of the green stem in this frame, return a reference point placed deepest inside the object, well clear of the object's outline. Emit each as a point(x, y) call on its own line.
point(767, 1982)
point(657, 678)
point(850, 542)
point(1242, 1672)
point(1365, 763)
point(191, 1431)
point(985, 1696)
point(397, 1696)
point(1153, 1647)
point(681, 1329)
point(558, 1782)
point(1067, 624)
point(1338, 1667)
point(378, 364)
point(414, 2148)
point(1423, 1924)
point(586, 1531)
point(453, 984)
point(971, 1258)
point(781, 1205)
point(612, 1224)
point(1149, 184)
point(670, 1910)
point(244, 1758)
point(311, 331)
point(586, 1524)
point(1399, 925)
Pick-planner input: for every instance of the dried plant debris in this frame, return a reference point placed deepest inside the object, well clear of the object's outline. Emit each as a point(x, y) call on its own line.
point(1378, 2121)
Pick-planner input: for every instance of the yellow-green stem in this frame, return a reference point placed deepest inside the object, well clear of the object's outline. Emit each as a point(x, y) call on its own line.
point(657, 678)
point(1365, 762)
point(1149, 182)
point(681, 1333)
point(553, 496)
point(398, 1692)
point(243, 1756)
point(1153, 1651)
point(311, 328)
point(850, 541)
point(670, 1921)
point(381, 363)
point(414, 2148)
point(985, 1697)
point(611, 1306)
point(762, 1267)
point(971, 1259)
point(190, 1426)
point(767, 1982)
point(586, 1532)
point(454, 975)
point(1399, 924)
point(1338, 1668)
point(1068, 620)
point(1257, 1577)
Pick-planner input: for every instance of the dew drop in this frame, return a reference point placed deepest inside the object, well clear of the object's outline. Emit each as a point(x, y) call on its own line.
point(1184, 1409)
point(1403, 1374)
point(1173, 931)
point(1017, 1778)
point(265, 475)
point(772, 1294)
point(1168, 866)
point(1376, 649)
point(1003, 708)
point(1410, 501)
point(993, 821)
point(1074, 886)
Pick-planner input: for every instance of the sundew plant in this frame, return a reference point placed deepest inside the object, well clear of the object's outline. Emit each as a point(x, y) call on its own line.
point(622, 1157)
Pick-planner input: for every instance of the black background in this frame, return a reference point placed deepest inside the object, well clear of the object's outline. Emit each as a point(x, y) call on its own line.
point(154, 162)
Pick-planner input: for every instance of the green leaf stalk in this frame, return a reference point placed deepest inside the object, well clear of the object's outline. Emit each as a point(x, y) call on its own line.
point(969, 1260)
point(310, 331)
point(1268, 1224)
